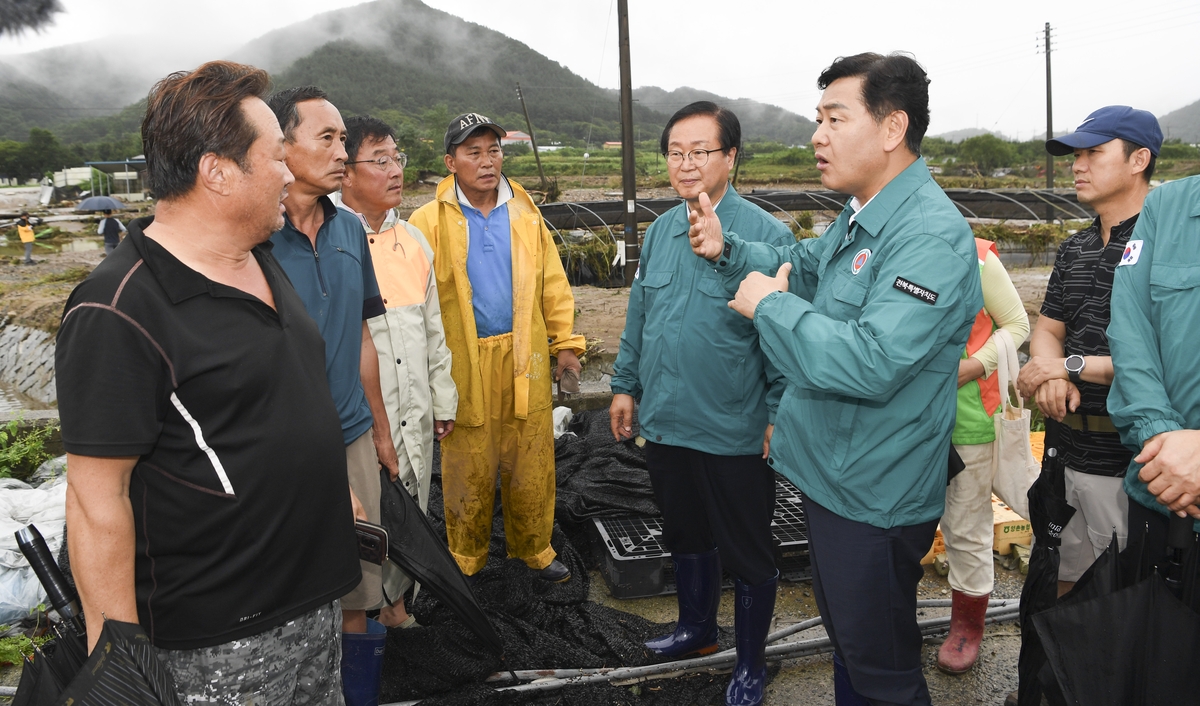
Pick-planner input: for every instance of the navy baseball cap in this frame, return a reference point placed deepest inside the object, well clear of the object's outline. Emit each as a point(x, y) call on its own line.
point(464, 125)
point(1110, 123)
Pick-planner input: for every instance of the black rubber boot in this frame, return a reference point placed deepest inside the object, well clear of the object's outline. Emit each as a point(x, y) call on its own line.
point(752, 613)
point(698, 589)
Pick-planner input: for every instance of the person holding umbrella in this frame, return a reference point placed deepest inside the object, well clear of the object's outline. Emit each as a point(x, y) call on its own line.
point(1070, 369)
point(111, 229)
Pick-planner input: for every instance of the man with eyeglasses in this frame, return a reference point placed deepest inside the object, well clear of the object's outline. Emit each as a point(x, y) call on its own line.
point(707, 404)
point(506, 307)
point(324, 251)
point(414, 362)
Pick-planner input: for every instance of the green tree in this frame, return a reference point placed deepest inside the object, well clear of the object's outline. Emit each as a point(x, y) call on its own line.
point(937, 148)
point(41, 154)
point(9, 151)
point(987, 152)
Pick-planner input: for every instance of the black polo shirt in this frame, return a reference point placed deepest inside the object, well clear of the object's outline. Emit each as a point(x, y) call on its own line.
point(240, 496)
point(1078, 295)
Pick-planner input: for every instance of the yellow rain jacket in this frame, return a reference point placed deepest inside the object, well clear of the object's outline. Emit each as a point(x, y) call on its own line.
point(543, 306)
point(504, 424)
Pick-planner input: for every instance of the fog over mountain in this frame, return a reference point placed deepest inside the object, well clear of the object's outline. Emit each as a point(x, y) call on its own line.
point(388, 54)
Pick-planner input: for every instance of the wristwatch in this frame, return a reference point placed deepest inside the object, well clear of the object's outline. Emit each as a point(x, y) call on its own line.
point(1074, 366)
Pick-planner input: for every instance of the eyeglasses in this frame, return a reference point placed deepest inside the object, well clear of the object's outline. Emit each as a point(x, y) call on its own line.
point(385, 162)
point(698, 157)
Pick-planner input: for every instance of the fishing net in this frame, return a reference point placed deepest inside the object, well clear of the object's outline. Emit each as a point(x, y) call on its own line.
point(543, 625)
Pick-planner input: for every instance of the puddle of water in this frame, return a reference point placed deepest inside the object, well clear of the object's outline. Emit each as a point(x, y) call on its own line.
point(11, 400)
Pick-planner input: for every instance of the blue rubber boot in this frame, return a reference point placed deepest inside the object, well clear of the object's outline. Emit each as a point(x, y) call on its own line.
point(752, 611)
point(362, 664)
point(843, 691)
point(698, 590)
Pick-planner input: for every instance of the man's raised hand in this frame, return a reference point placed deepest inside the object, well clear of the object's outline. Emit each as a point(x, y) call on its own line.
point(705, 231)
point(756, 286)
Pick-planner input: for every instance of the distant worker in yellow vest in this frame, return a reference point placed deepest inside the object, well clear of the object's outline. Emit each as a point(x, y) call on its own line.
point(414, 362)
point(967, 521)
point(506, 307)
point(25, 231)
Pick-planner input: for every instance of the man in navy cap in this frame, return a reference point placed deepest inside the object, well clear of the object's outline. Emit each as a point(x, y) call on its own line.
point(1070, 369)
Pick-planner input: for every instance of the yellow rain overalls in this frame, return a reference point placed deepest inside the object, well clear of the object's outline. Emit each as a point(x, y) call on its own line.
point(504, 421)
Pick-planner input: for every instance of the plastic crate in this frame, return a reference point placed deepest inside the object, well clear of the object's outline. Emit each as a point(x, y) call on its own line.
point(636, 565)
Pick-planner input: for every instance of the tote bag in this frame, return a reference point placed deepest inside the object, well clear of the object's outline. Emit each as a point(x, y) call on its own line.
point(1014, 468)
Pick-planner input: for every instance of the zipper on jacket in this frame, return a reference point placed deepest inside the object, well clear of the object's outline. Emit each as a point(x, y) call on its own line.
point(320, 278)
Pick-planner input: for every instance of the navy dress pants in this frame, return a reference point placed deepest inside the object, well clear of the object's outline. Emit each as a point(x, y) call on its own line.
point(865, 579)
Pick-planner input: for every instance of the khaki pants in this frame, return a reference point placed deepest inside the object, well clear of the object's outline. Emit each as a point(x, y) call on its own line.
point(362, 465)
point(1101, 508)
point(967, 524)
point(522, 451)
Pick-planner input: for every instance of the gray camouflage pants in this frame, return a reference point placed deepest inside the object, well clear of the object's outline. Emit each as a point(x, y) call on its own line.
point(299, 662)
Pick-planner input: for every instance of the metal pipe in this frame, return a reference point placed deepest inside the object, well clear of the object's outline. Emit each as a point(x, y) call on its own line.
point(790, 650)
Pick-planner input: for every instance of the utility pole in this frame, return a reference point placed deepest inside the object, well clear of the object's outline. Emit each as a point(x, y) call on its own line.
point(627, 156)
point(532, 140)
point(1049, 115)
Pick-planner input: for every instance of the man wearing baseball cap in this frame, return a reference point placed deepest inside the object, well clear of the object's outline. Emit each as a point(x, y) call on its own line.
point(1070, 369)
point(506, 307)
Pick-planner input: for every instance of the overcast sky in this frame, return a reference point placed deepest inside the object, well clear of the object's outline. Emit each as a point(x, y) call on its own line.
point(984, 59)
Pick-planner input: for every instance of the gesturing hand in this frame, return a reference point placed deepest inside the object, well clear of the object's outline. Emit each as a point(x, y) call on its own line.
point(756, 286)
point(705, 231)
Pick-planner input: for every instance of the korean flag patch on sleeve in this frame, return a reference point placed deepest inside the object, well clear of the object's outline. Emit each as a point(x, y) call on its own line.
point(1133, 251)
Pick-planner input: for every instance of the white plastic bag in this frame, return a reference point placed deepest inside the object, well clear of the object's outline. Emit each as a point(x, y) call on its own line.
point(1014, 467)
point(21, 505)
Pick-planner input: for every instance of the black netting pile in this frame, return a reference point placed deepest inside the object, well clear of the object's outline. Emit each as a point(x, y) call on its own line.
point(545, 626)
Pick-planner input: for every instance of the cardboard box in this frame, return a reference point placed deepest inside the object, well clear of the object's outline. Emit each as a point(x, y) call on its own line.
point(1009, 528)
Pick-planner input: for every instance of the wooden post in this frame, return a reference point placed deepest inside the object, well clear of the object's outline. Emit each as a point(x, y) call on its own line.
point(532, 140)
point(628, 165)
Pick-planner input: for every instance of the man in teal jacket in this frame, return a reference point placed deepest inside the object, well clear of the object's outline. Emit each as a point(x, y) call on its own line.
point(707, 401)
point(867, 324)
point(1155, 397)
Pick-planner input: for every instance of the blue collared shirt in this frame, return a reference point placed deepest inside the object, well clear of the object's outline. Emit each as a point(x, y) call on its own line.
point(489, 264)
point(336, 282)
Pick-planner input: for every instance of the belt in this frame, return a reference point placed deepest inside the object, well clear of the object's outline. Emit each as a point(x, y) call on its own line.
point(1090, 422)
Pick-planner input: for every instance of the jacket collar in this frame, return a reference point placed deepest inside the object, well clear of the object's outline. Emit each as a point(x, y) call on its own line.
point(880, 209)
point(447, 193)
point(179, 281)
point(727, 210)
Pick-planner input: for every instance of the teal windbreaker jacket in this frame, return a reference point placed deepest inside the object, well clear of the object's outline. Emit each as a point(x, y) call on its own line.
point(693, 363)
point(1154, 331)
point(869, 337)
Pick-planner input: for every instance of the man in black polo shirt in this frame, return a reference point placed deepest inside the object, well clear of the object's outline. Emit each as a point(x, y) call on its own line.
point(207, 497)
point(1070, 370)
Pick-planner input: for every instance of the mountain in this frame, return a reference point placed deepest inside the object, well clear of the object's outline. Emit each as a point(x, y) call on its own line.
point(420, 64)
point(1182, 124)
point(957, 136)
point(25, 104)
point(759, 120)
